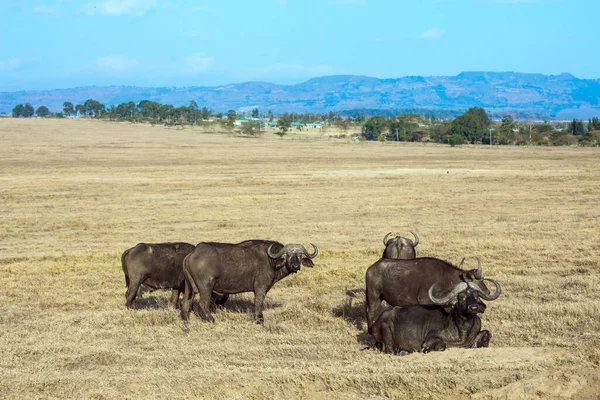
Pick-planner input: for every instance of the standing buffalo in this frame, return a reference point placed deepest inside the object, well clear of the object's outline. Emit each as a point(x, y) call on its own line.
point(405, 282)
point(399, 247)
point(250, 266)
point(452, 322)
point(155, 265)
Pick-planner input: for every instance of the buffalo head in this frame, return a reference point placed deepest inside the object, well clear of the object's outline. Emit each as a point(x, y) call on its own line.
point(292, 256)
point(466, 297)
point(400, 247)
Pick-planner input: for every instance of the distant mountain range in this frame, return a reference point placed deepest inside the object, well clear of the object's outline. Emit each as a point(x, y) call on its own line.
point(561, 96)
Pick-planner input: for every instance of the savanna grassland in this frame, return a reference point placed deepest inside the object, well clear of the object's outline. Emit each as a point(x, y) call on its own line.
point(75, 194)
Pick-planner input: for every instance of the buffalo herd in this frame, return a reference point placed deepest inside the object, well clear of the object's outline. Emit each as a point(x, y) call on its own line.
point(434, 304)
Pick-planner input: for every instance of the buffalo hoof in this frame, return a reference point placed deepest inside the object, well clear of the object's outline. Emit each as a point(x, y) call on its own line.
point(484, 341)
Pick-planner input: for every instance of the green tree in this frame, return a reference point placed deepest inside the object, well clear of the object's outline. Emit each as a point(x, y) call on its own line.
point(375, 127)
point(439, 132)
point(93, 108)
point(80, 109)
point(193, 113)
point(456, 139)
point(206, 113)
point(255, 113)
point(576, 127)
point(42, 111)
point(28, 110)
point(472, 125)
point(68, 109)
point(18, 111)
point(231, 116)
point(284, 123)
point(506, 131)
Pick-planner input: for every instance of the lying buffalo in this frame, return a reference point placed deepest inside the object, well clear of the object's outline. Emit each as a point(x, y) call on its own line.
point(452, 322)
point(250, 266)
point(405, 282)
point(400, 247)
point(156, 266)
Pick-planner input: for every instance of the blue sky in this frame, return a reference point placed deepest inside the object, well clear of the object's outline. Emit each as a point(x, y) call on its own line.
point(67, 43)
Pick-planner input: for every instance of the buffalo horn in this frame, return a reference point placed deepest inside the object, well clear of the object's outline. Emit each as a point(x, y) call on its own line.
point(483, 294)
point(278, 254)
point(461, 263)
point(314, 254)
point(444, 300)
point(385, 239)
point(478, 272)
point(416, 243)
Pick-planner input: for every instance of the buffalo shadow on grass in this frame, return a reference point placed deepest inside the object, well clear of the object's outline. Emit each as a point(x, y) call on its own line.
point(353, 311)
point(239, 303)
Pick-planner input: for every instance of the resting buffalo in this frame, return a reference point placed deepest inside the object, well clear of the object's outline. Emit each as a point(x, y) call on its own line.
point(157, 266)
point(250, 266)
point(399, 247)
point(452, 322)
point(405, 282)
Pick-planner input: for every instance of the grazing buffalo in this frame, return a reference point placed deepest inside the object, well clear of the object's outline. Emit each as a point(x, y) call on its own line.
point(157, 266)
point(250, 266)
point(451, 322)
point(399, 247)
point(405, 282)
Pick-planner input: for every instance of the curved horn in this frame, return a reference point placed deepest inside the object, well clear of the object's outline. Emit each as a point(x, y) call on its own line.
point(444, 300)
point(484, 295)
point(314, 254)
point(478, 272)
point(416, 243)
point(461, 263)
point(276, 255)
point(385, 239)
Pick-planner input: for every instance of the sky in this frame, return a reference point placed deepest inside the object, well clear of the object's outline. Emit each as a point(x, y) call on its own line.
point(68, 43)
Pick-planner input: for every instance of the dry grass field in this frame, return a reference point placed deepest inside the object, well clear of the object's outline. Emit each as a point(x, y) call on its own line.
point(75, 194)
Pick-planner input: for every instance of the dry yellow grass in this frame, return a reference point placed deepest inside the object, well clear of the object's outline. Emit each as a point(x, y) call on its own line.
point(75, 194)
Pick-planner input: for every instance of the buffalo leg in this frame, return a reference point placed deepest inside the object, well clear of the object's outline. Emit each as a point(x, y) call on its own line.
point(387, 337)
point(434, 343)
point(205, 291)
point(483, 339)
point(188, 296)
point(259, 300)
point(132, 290)
point(372, 304)
point(218, 300)
point(174, 298)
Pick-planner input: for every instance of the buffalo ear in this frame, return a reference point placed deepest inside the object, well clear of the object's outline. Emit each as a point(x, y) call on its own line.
point(307, 262)
point(280, 263)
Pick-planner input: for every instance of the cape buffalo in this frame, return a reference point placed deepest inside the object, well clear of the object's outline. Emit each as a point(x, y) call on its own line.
point(250, 266)
point(399, 247)
point(156, 266)
point(405, 282)
point(452, 322)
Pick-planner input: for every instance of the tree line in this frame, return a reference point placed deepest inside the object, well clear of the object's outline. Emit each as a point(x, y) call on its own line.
point(474, 126)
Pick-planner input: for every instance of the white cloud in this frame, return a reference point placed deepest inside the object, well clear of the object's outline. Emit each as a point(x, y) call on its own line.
point(116, 63)
point(43, 10)
point(432, 34)
point(14, 64)
point(124, 7)
point(197, 63)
